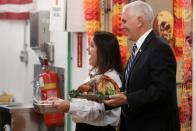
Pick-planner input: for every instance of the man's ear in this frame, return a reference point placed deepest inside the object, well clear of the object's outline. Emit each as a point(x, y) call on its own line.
point(140, 20)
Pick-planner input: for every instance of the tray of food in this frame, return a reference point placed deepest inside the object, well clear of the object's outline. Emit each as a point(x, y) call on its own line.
point(96, 89)
point(89, 96)
point(44, 108)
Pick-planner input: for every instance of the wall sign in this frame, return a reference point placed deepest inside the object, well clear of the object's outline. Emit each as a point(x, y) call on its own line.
point(79, 49)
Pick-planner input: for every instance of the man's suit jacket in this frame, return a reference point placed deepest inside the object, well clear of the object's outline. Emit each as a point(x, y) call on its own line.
point(151, 88)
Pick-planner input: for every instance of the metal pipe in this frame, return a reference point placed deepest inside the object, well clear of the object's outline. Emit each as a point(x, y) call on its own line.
point(68, 120)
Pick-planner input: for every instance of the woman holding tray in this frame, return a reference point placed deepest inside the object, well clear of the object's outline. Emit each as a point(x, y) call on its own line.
point(105, 59)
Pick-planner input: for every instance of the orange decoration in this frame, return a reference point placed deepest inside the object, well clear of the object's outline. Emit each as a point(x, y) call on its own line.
point(117, 28)
point(92, 17)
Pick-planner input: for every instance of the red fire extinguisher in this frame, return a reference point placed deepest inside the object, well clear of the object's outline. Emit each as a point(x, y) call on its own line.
point(49, 85)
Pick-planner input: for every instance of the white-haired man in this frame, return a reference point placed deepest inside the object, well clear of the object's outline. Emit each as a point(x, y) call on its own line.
point(149, 98)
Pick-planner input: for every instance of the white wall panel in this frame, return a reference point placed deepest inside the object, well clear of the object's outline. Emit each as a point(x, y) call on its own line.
point(75, 16)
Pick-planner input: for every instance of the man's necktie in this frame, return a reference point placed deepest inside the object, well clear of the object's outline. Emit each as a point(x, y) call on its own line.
point(134, 48)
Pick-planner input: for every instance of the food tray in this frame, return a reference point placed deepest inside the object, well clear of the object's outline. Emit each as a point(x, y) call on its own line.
point(44, 108)
point(93, 97)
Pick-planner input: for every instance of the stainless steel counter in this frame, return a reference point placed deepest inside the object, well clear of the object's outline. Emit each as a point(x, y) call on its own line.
point(17, 107)
point(23, 117)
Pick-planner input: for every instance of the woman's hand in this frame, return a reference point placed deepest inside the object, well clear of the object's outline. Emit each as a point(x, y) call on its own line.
point(60, 104)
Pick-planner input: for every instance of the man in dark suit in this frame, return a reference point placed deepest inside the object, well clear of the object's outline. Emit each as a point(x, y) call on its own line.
point(150, 76)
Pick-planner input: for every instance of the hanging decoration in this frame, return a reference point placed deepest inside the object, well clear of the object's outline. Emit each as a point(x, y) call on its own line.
point(95, 20)
point(179, 27)
point(15, 9)
point(92, 17)
point(163, 25)
point(186, 108)
point(117, 6)
point(183, 11)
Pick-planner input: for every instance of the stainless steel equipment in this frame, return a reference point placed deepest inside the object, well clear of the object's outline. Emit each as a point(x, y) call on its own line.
point(39, 29)
point(40, 34)
point(23, 117)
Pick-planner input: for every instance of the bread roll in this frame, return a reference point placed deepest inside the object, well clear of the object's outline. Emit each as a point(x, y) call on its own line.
point(107, 86)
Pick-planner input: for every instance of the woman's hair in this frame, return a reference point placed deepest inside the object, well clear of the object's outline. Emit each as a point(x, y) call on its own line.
point(108, 52)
